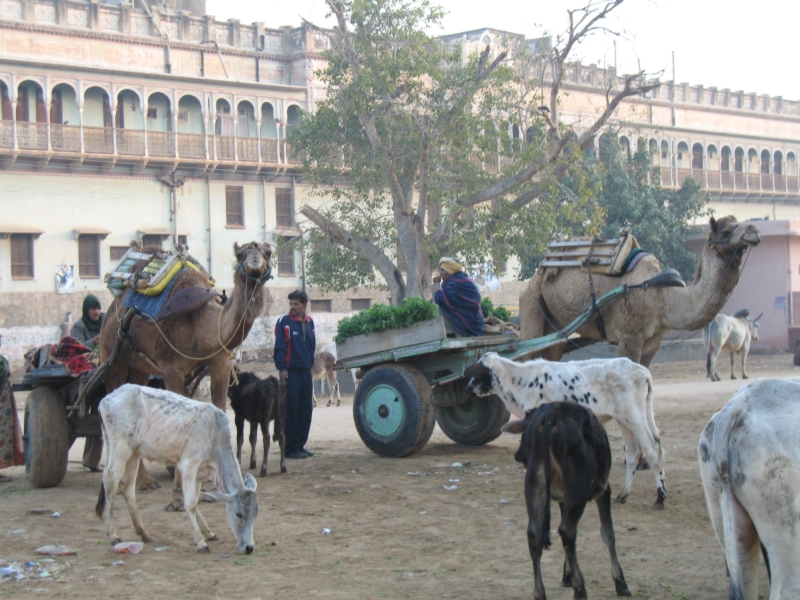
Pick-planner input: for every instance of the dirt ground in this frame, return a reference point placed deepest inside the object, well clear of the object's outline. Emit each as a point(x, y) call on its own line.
point(395, 531)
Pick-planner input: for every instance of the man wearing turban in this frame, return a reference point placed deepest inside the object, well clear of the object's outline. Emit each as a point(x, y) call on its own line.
point(459, 299)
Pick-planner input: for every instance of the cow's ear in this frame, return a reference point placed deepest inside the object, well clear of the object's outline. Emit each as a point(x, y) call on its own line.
point(516, 427)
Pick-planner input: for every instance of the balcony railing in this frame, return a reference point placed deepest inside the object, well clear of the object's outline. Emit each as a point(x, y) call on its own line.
point(160, 143)
point(726, 177)
point(98, 140)
point(766, 181)
point(740, 180)
point(294, 156)
point(792, 183)
point(225, 147)
point(247, 149)
point(32, 136)
point(753, 181)
point(780, 183)
point(682, 175)
point(6, 134)
point(666, 176)
point(130, 142)
point(269, 151)
point(191, 145)
point(65, 138)
point(713, 180)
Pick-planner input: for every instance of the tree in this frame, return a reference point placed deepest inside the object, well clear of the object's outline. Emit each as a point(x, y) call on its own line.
point(443, 153)
point(630, 195)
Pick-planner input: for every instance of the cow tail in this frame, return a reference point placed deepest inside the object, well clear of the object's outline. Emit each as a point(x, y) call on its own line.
point(708, 363)
point(651, 420)
point(726, 501)
point(100, 508)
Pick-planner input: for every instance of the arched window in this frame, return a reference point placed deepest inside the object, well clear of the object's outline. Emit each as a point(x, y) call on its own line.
point(752, 161)
point(625, 147)
point(778, 163)
point(738, 160)
point(665, 154)
point(224, 122)
point(791, 164)
point(30, 103)
point(652, 148)
point(765, 162)
point(129, 111)
point(515, 131)
point(697, 156)
point(190, 115)
point(245, 119)
point(683, 160)
point(725, 161)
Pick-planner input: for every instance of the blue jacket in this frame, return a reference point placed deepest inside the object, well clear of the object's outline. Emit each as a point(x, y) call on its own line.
point(294, 352)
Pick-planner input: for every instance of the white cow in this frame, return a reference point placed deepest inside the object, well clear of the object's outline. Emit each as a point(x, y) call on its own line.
point(615, 388)
point(749, 457)
point(732, 334)
point(146, 423)
point(322, 369)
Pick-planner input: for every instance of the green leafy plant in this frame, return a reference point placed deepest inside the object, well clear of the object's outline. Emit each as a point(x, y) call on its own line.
point(381, 317)
point(490, 310)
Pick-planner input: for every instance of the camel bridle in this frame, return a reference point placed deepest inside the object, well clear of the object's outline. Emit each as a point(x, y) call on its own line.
point(265, 276)
point(727, 242)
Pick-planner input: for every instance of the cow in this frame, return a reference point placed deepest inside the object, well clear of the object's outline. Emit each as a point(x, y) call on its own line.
point(732, 334)
point(749, 458)
point(258, 401)
point(615, 388)
point(323, 369)
point(158, 425)
point(567, 457)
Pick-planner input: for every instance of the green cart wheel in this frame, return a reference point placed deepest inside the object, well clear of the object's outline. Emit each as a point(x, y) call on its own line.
point(393, 411)
point(476, 421)
point(46, 438)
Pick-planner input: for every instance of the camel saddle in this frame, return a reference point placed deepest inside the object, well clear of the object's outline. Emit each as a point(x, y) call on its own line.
point(603, 256)
point(186, 300)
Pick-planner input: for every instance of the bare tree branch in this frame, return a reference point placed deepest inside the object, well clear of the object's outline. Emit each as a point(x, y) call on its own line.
point(361, 247)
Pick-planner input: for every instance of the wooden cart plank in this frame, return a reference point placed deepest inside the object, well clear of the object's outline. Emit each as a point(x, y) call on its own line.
point(383, 341)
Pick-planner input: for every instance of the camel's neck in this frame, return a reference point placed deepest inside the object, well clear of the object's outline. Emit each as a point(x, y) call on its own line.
point(229, 471)
point(244, 306)
point(693, 307)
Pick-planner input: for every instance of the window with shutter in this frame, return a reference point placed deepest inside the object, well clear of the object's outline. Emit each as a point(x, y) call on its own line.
point(151, 240)
point(358, 304)
point(89, 256)
point(117, 252)
point(286, 260)
point(234, 206)
point(284, 207)
point(320, 306)
point(21, 256)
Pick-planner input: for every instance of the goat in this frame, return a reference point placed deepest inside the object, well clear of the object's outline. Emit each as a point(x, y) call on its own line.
point(733, 334)
point(259, 401)
point(144, 423)
point(323, 369)
point(567, 457)
point(749, 459)
point(614, 388)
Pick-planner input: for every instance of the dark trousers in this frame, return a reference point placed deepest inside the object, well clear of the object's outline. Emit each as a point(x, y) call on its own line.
point(299, 388)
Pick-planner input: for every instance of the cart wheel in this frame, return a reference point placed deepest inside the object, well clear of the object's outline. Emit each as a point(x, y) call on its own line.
point(478, 421)
point(393, 411)
point(46, 438)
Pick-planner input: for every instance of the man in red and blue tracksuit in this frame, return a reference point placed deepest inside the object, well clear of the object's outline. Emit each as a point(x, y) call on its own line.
point(295, 344)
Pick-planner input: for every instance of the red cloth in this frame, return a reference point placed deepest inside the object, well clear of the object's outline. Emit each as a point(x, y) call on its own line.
point(74, 355)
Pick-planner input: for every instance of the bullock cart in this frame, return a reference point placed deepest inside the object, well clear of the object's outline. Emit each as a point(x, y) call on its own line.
point(61, 408)
point(414, 377)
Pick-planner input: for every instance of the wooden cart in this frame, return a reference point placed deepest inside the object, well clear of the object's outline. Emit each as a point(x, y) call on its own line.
point(414, 378)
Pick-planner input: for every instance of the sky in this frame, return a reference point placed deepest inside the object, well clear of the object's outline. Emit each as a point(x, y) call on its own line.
point(749, 46)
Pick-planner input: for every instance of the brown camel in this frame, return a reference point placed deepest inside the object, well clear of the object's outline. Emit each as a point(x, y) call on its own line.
point(204, 337)
point(638, 321)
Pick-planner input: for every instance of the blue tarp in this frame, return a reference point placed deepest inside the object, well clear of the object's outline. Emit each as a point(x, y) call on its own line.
point(151, 305)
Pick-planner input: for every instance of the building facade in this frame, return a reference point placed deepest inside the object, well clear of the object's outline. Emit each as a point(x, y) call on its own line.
point(160, 123)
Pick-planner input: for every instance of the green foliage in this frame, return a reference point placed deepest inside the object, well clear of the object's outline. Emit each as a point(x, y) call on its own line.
point(627, 193)
point(381, 317)
point(490, 310)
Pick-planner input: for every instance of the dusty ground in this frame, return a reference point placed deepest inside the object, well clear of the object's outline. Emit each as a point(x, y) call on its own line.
point(393, 534)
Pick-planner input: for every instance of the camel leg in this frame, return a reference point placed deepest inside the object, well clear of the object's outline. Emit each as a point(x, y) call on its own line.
point(253, 441)
point(220, 374)
point(649, 355)
point(733, 370)
point(631, 347)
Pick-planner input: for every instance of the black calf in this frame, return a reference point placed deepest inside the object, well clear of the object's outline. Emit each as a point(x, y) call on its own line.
point(259, 401)
point(566, 452)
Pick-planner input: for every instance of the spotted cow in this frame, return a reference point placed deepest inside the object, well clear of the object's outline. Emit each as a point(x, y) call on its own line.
point(749, 458)
point(615, 388)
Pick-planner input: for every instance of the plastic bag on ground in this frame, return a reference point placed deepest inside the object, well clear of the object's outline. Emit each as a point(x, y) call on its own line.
point(56, 550)
point(128, 547)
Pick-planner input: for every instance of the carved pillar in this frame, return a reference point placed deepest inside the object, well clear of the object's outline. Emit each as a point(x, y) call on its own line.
point(236, 32)
point(174, 124)
point(113, 104)
point(94, 14)
point(28, 10)
point(211, 34)
point(61, 12)
point(125, 17)
point(47, 98)
point(185, 32)
point(144, 119)
point(235, 119)
point(258, 130)
point(12, 96)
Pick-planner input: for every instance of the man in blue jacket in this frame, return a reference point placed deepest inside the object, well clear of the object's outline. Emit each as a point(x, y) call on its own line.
point(295, 344)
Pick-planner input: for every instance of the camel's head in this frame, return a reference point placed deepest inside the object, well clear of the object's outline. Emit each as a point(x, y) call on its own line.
point(252, 261)
point(729, 237)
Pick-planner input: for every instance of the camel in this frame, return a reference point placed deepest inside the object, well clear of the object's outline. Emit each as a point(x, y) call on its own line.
point(204, 337)
point(638, 321)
